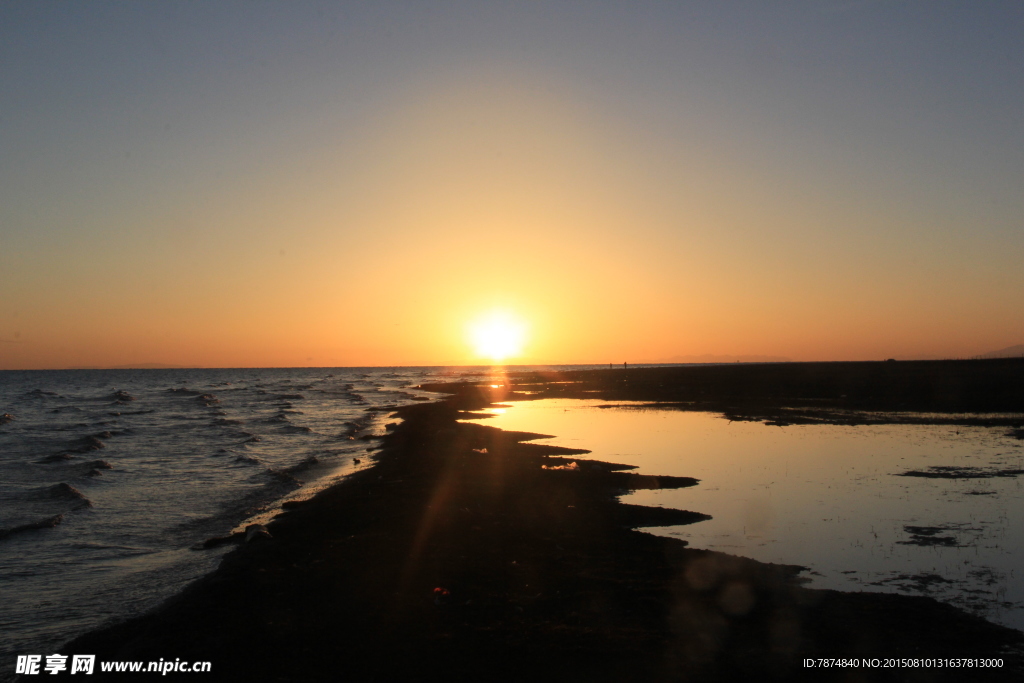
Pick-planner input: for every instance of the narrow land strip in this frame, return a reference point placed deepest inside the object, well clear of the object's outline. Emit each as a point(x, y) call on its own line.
point(466, 553)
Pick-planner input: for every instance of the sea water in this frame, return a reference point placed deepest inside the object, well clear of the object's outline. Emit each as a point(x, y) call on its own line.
point(145, 464)
point(831, 498)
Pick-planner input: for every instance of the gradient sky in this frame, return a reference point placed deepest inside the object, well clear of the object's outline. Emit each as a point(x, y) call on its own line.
point(330, 184)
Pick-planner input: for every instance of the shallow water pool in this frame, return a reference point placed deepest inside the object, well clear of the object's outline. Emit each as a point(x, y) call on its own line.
point(826, 497)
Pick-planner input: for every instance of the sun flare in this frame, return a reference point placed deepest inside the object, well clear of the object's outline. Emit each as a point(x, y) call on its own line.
point(497, 336)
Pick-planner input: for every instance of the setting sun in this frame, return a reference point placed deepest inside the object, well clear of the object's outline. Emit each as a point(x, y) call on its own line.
point(497, 336)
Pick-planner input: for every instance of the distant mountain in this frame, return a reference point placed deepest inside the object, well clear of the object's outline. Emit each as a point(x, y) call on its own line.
point(1008, 352)
point(711, 358)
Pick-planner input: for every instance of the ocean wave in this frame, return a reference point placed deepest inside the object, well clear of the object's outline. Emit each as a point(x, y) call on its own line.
point(130, 550)
point(94, 469)
point(47, 523)
point(39, 393)
point(166, 438)
point(62, 491)
point(283, 476)
point(89, 443)
point(57, 457)
point(295, 429)
point(309, 462)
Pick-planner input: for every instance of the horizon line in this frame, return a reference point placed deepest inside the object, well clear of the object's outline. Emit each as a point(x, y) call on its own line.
point(613, 366)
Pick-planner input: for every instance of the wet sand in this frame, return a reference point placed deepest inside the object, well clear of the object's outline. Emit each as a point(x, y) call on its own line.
point(470, 553)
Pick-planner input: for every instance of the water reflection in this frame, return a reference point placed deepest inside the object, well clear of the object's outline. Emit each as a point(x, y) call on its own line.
point(823, 496)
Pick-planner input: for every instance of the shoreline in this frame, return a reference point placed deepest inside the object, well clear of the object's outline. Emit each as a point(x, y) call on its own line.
point(458, 555)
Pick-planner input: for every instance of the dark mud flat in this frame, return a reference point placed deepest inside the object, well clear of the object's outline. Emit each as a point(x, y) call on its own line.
point(468, 553)
point(887, 392)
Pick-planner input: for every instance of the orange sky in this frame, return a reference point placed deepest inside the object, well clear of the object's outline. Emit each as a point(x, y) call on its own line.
point(629, 196)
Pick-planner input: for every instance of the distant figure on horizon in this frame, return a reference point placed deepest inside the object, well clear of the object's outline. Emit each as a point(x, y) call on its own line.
point(625, 366)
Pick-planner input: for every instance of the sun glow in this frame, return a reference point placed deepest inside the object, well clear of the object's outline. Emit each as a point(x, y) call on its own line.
point(497, 336)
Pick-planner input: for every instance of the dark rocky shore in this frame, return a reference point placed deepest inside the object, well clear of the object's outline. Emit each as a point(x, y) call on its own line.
point(468, 553)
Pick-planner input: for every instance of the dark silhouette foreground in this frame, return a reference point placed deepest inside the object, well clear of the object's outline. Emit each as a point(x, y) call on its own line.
point(468, 553)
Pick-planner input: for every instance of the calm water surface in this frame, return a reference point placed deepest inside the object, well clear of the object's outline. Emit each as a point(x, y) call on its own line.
point(823, 496)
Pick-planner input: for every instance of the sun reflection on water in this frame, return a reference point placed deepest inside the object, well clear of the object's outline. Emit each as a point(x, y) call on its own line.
point(822, 496)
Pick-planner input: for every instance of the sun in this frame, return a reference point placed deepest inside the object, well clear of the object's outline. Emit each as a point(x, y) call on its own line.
point(498, 335)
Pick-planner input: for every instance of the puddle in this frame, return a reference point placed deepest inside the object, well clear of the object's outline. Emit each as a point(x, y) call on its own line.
point(827, 497)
